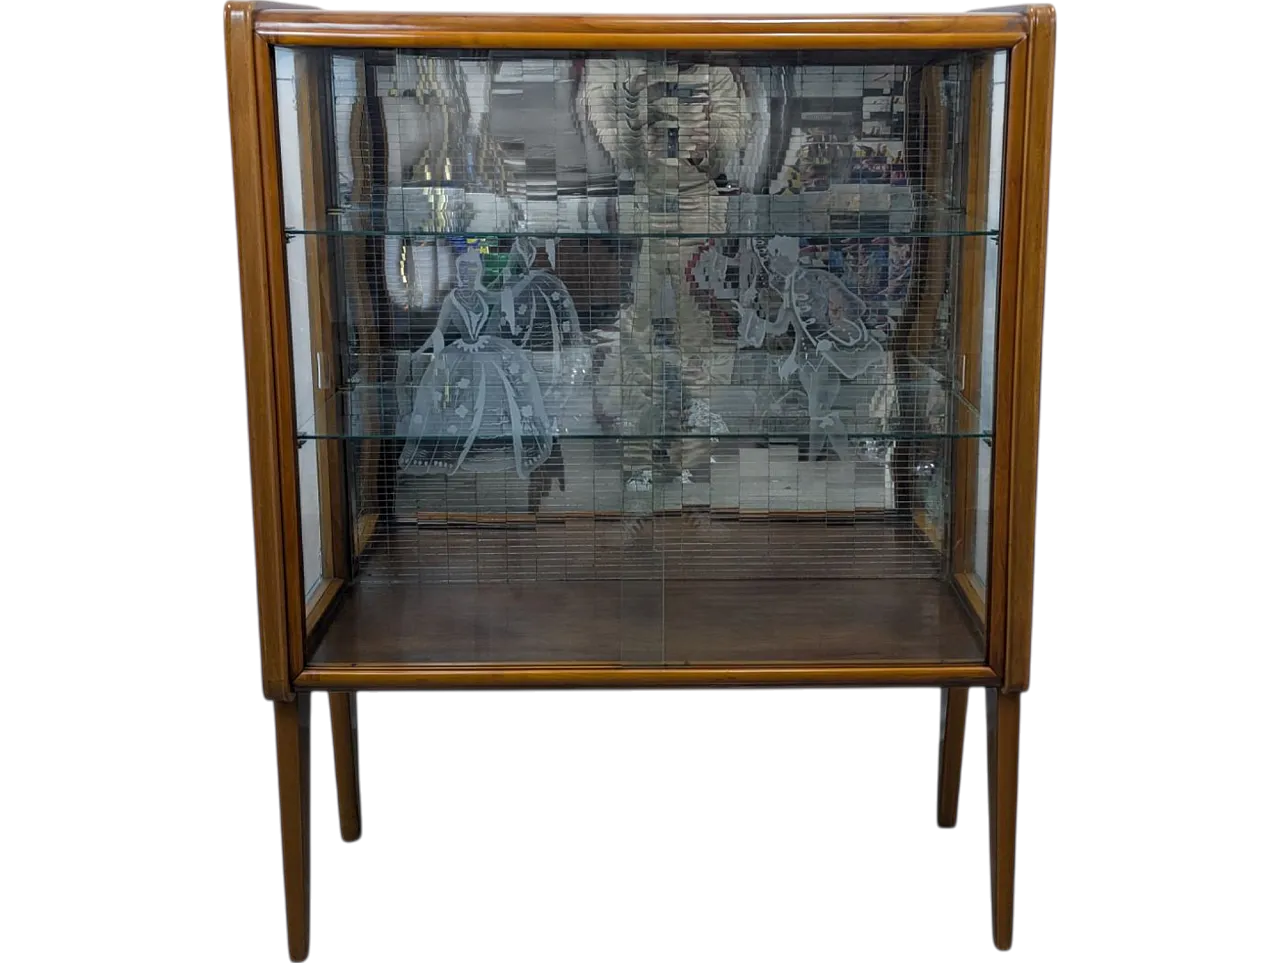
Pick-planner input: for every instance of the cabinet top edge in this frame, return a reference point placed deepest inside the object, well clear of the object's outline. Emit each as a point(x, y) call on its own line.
point(311, 27)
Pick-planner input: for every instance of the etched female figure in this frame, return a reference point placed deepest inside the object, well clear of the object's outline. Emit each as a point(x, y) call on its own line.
point(479, 406)
point(829, 338)
point(538, 315)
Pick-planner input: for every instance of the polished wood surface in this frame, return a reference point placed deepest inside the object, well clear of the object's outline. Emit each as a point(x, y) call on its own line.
point(408, 675)
point(282, 353)
point(269, 496)
point(1024, 224)
point(321, 600)
point(974, 594)
point(1003, 711)
point(293, 763)
point(887, 32)
point(1031, 241)
point(642, 622)
point(346, 760)
point(877, 30)
point(955, 706)
point(1006, 340)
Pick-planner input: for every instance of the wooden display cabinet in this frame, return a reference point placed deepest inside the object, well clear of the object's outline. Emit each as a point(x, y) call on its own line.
point(601, 351)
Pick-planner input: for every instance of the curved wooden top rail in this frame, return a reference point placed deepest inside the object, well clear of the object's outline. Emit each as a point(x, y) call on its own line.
point(306, 27)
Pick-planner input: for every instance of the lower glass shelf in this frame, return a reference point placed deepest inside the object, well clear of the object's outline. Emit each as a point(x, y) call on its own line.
point(916, 402)
point(652, 623)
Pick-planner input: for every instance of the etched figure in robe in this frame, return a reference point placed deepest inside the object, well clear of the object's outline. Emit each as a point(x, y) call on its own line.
point(538, 315)
point(478, 406)
point(830, 340)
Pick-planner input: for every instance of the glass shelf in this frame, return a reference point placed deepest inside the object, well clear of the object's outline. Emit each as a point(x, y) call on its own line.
point(471, 237)
point(922, 406)
point(762, 437)
point(848, 212)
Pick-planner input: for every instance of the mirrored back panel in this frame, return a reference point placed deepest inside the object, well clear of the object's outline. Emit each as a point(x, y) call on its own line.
point(656, 357)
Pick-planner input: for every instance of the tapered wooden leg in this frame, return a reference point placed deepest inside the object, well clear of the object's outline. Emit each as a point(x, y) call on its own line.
point(955, 706)
point(1002, 804)
point(293, 761)
point(346, 760)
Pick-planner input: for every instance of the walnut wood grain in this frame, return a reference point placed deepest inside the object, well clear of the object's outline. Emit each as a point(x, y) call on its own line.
point(854, 32)
point(320, 601)
point(973, 593)
point(1003, 721)
point(1026, 415)
point(293, 764)
point(1006, 341)
point(272, 244)
point(269, 495)
point(410, 675)
point(955, 706)
point(888, 32)
point(346, 759)
point(1023, 228)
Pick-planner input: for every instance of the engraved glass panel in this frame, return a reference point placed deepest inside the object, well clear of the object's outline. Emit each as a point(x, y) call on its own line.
point(649, 357)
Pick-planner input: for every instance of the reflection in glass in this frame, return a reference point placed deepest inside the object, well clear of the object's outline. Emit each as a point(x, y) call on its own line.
point(656, 317)
point(300, 309)
point(990, 290)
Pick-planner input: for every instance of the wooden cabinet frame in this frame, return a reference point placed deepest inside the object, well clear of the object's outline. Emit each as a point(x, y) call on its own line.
point(252, 28)
point(288, 620)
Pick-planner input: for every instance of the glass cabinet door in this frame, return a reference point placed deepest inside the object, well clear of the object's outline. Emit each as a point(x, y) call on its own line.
point(644, 357)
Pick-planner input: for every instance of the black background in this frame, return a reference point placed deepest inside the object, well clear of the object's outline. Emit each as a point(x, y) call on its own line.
point(487, 822)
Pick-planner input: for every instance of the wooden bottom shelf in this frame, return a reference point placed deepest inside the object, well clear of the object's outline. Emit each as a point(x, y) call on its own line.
point(651, 623)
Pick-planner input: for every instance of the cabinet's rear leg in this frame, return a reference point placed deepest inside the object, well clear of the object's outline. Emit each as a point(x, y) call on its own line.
point(955, 705)
point(346, 761)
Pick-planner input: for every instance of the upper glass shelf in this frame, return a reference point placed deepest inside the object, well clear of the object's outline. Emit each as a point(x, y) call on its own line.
point(843, 211)
point(469, 236)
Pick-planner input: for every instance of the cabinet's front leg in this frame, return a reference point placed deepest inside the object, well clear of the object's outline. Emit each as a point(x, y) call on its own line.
point(955, 706)
point(1002, 803)
point(293, 761)
point(346, 761)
